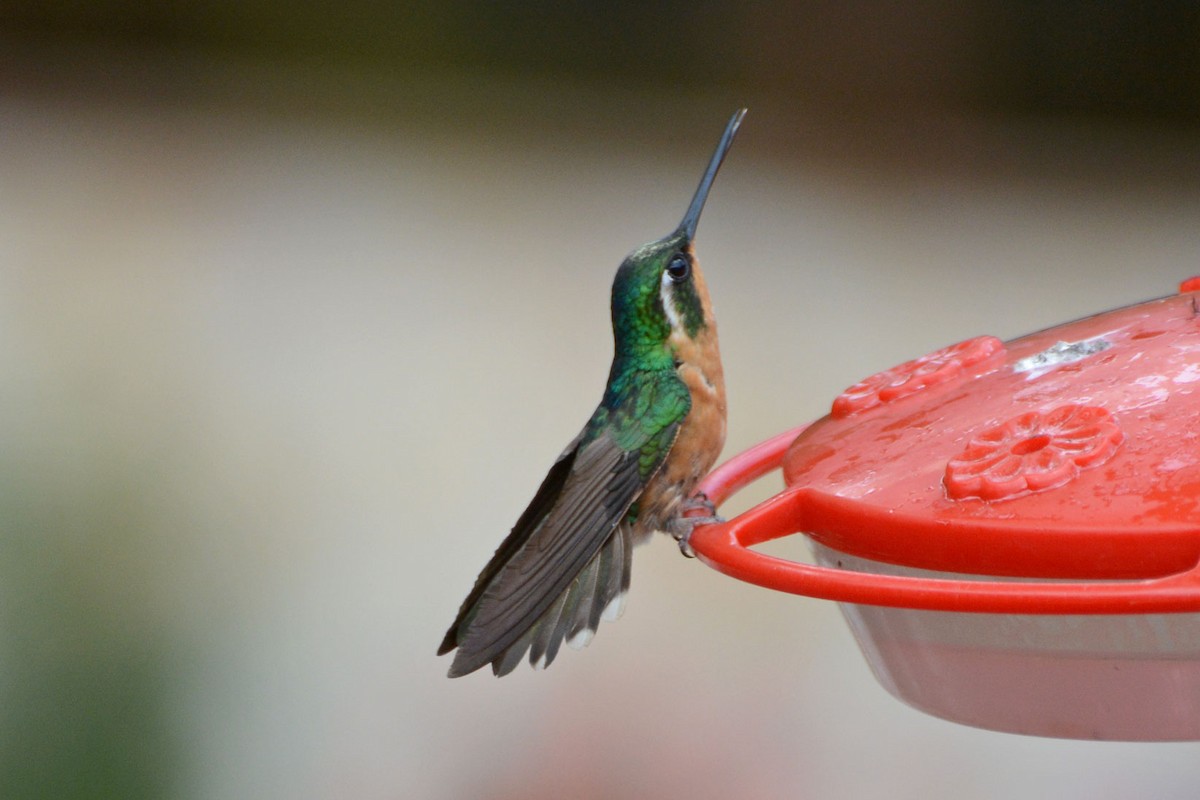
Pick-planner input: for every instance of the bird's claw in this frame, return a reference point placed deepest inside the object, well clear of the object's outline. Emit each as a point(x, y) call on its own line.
point(686, 548)
point(685, 537)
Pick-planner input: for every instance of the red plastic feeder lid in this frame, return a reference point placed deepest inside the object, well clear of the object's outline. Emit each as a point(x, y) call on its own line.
point(1071, 454)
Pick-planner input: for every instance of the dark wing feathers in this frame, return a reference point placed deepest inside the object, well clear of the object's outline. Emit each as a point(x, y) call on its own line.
point(538, 507)
point(561, 547)
point(553, 560)
point(566, 563)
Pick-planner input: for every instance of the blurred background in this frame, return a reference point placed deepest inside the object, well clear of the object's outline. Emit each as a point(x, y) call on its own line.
point(298, 301)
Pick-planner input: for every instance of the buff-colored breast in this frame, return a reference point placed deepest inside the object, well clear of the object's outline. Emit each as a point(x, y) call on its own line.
point(702, 433)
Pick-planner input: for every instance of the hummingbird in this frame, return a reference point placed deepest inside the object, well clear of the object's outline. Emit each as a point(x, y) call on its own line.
point(630, 472)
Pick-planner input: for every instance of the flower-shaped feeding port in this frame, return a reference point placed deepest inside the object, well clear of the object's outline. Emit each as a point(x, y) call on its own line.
point(910, 377)
point(1033, 452)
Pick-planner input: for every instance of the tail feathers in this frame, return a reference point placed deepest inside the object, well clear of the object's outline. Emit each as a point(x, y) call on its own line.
point(541, 650)
point(616, 583)
point(597, 592)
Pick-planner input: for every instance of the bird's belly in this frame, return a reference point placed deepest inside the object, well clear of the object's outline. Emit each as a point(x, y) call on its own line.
point(697, 445)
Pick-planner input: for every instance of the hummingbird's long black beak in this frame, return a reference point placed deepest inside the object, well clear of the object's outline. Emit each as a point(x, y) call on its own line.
point(688, 226)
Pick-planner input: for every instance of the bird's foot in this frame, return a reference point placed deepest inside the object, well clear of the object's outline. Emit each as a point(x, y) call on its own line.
point(697, 502)
point(685, 537)
point(700, 502)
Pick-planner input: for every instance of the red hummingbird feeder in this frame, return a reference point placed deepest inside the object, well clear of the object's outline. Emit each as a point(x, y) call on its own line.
point(1012, 529)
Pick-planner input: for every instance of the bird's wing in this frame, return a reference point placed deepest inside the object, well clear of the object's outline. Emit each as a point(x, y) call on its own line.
point(567, 558)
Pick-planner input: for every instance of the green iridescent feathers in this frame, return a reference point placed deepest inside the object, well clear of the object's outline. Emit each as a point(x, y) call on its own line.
point(641, 321)
point(640, 411)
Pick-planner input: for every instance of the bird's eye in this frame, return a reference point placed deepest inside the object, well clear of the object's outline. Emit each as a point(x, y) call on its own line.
point(680, 268)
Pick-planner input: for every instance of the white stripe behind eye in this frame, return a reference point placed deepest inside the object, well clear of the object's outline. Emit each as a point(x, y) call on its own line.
point(666, 293)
